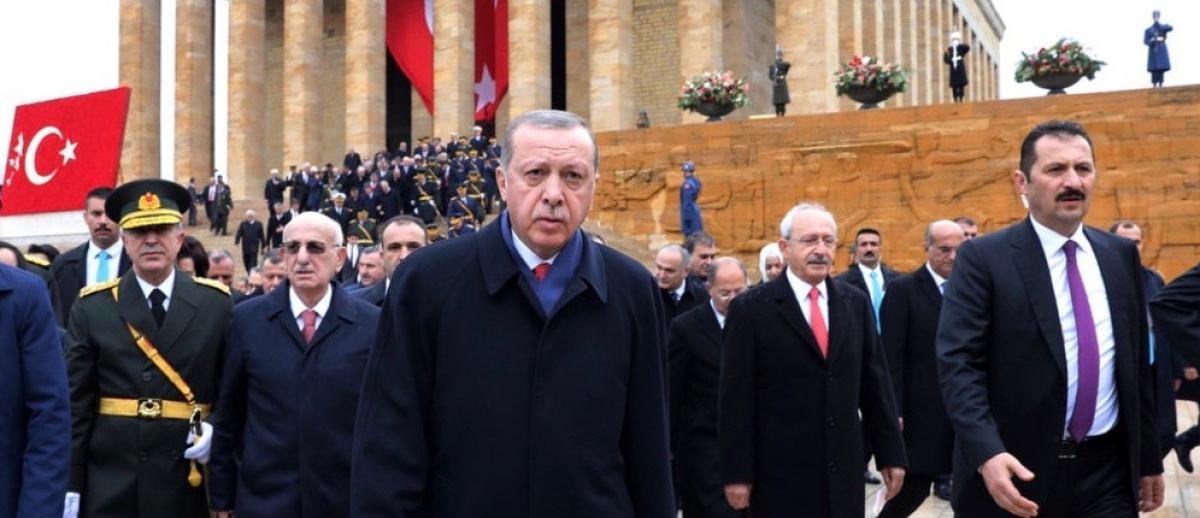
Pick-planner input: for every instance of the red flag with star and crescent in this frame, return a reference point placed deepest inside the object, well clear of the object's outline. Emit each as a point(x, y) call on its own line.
point(410, 43)
point(62, 148)
point(491, 57)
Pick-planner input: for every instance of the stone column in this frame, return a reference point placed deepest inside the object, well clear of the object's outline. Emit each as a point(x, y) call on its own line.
point(302, 73)
point(850, 40)
point(528, 56)
point(811, 28)
point(366, 76)
point(140, 29)
point(701, 39)
point(911, 61)
point(892, 34)
point(924, 49)
point(422, 120)
point(939, 43)
point(610, 42)
point(578, 71)
point(247, 96)
point(453, 67)
point(193, 89)
point(870, 28)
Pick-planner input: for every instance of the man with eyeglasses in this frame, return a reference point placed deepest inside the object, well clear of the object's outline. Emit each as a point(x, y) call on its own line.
point(400, 236)
point(143, 360)
point(290, 386)
point(802, 363)
point(694, 343)
point(910, 316)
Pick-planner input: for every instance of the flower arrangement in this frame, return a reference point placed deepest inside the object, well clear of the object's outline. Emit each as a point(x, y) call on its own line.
point(714, 87)
point(869, 72)
point(1064, 57)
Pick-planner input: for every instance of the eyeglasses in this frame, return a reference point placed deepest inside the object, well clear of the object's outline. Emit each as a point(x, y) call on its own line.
point(313, 247)
point(812, 240)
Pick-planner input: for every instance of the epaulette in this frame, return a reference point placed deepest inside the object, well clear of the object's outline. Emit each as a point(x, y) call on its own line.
point(212, 284)
point(37, 260)
point(98, 287)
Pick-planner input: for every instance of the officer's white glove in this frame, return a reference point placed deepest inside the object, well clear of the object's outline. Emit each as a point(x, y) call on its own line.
point(200, 447)
point(71, 506)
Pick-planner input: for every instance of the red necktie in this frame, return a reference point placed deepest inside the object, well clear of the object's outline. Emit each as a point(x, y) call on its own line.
point(540, 271)
point(818, 321)
point(310, 324)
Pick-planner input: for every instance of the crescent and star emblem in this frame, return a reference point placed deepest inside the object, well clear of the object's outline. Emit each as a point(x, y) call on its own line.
point(67, 153)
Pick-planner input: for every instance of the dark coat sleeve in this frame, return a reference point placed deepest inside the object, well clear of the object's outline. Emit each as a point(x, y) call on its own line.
point(390, 461)
point(48, 425)
point(736, 402)
point(645, 440)
point(878, 404)
point(228, 425)
point(1176, 313)
point(680, 360)
point(893, 317)
point(961, 349)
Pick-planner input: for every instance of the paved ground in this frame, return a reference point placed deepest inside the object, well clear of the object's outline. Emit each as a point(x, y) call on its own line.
point(1183, 489)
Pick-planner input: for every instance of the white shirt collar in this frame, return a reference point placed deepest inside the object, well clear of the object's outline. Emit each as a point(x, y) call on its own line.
point(720, 317)
point(1052, 242)
point(322, 307)
point(167, 287)
point(530, 258)
point(802, 288)
point(866, 270)
point(681, 289)
point(938, 280)
point(114, 251)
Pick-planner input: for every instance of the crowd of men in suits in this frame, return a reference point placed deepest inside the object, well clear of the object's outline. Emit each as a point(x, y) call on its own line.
point(1033, 366)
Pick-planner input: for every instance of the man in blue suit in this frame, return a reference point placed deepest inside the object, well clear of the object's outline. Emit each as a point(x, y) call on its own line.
point(35, 420)
point(290, 387)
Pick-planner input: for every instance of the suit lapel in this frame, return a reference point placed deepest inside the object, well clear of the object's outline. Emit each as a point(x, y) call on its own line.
point(180, 312)
point(134, 310)
point(928, 286)
point(1115, 280)
point(789, 310)
point(839, 316)
point(711, 330)
point(1035, 275)
point(281, 312)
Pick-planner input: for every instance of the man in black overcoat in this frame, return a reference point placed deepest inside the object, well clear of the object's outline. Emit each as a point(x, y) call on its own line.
point(910, 315)
point(955, 57)
point(801, 361)
point(564, 412)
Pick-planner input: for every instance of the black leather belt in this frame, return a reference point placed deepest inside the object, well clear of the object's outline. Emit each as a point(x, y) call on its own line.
point(1069, 449)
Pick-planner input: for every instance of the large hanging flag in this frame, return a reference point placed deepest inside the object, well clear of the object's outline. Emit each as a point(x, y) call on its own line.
point(62, 148)
point(491, 57)
point(410, 42)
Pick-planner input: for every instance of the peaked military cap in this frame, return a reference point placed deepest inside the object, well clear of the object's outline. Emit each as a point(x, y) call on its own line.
point(147, 202)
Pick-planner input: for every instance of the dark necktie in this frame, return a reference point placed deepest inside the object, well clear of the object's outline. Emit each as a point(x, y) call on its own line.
point(540, 271)
point(1089, 350)
point(156, 306)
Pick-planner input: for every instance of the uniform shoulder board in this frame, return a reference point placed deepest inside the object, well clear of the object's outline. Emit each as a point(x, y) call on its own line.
point(38, 261)
point(98, 287)
point(212, 284)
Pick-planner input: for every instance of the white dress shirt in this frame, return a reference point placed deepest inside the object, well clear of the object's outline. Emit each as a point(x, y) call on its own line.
point(167, 287)
point(801, 289)
point(298, 307)
point(866, 273)
point(1089, 271)
point(93, 262)
point(527, 254)
point(720, 317)
point(680, 290)
point(938, 280)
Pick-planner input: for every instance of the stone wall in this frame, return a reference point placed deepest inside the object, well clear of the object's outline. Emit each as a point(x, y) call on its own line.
point(898, 169)
point(656, 59)
point(333, 87)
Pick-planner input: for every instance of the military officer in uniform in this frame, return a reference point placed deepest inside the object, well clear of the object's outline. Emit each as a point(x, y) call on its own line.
point(363, 227)
point(463, 212)
point(425, 193)
point(477, 190)
point(144, 353)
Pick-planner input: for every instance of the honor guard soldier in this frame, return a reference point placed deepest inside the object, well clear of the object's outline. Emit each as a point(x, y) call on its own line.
point(144, 353)
point(363, 227)
point(463, 213)
point(425, 194)
point(477, 190)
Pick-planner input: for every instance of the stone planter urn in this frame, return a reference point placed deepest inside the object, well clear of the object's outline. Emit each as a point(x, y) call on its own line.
point(869, 97)
point(1057, 82)
point(713, 110)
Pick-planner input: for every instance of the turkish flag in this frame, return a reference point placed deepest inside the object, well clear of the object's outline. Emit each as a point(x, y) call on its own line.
point(410, 42)
point(63, 148)
point(491, 57)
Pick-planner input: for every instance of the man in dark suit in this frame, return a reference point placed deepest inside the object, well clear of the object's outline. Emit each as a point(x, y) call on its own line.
point(222, 208)
point(703, 248)
point(252, 237)
point(1177, 321)
point(868, 273)
point(399, 237)
point(679, 292)
point(299, 180)
point(910, 316)
point(273, 190)
point(802, 362)
point(101, 259)
point(211, 196)
point(1042, 354)
point(35, 430)
point(562, 414)
point(694, 344)
point(339, 212)
point(279, 219)
point(144, 354)
point(289, 391)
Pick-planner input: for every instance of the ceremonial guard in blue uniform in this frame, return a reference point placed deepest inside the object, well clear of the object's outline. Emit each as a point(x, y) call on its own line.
point(689, 208)
point(1159, 61)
